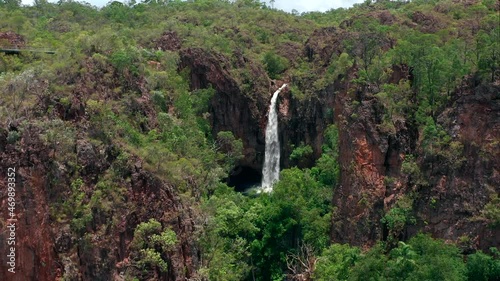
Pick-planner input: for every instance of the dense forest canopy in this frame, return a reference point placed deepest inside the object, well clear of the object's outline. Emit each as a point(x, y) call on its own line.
point(120, 121)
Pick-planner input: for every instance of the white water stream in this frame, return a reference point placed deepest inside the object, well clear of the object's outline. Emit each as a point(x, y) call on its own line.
point(271, 169)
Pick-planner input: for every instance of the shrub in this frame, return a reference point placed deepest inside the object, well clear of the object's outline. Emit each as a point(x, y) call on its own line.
point(491, 211)
point(327, 169)
point(150, 244)
point(398, 217)
point(159, 100)
point(301, 152)
point(13, 137)
point(275, 64)
point(126, 59)
point(336, 262)
point(482, 267)
point(436, 260)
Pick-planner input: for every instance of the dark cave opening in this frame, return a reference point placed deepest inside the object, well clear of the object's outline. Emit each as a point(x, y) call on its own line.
point(243, 177)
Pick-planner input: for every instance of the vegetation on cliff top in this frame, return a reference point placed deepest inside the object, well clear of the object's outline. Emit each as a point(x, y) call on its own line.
point(116, 93)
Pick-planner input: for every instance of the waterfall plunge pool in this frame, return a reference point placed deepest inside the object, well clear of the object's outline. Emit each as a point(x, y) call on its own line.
point(244, 178)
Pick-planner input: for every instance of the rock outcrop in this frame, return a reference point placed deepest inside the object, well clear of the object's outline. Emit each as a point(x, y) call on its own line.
point(11, 39)
point(458, 183)
point(47, 249)
point(231, 108)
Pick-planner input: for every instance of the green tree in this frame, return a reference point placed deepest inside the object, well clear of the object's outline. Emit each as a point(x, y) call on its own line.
point(398, 217)
point(422, 258)
point(491, 210)
point(275, 64)
point(327, 169)
point(489, 56)
point(150, 245)
point(402, 262)
point(436, 260)
point(126, 61)
point(366, 43)
point(229, 225)
point(483, 267)
point(300, 154)
point(396, 100)
point(428, 60)
point(296, 213)
point(230, 147)
point(370, 266)
point(336, 262)
point(10, 4)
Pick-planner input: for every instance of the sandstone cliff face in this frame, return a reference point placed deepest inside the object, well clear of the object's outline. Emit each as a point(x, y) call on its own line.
point(231, 109)
point(457, 187)
point(47, 248)
point(452, 205)
point(303, 123)
point(11, 39)
point(36, 258)
point(367, 156)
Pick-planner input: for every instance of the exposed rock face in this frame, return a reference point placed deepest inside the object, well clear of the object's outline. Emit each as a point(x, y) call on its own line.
point(36, 259)
point(460, 191)
point(159, 200)
point(169, 40)
point(245, 113)
point(91, 158)
point(292, 51)
point(231, 109)
point(323, 43)
point(243, 110)
point(450, 205)
point(47, 247)
point(362, 156)
point(48, 250)
point(385, 17)
point(11, 39)
point(427, 22)
point(100, 78)
point(304, 124)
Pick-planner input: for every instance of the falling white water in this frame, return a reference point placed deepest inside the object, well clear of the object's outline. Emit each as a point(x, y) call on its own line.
point(271, 169)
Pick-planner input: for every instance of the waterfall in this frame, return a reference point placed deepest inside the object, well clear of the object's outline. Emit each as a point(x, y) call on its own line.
point(271, 169)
